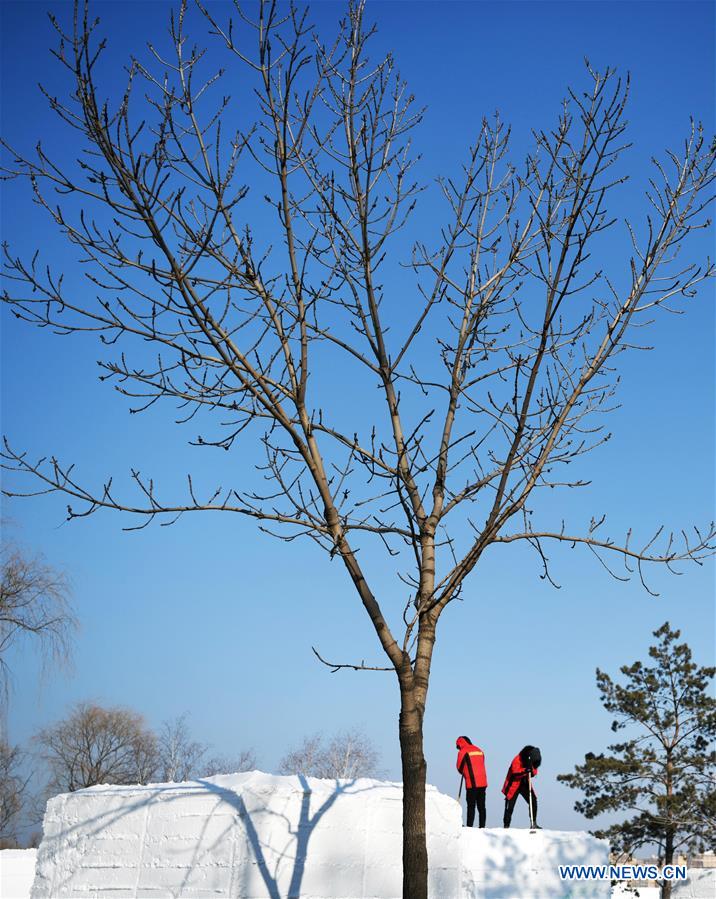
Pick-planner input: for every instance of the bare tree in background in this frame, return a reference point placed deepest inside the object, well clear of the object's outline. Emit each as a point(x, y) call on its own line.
point(13, 790)
point(180, 757)
point(348, 754)
point(244, 760)
point(481, 380)
point(34, 605)
point(96, 745)
point(304, 759)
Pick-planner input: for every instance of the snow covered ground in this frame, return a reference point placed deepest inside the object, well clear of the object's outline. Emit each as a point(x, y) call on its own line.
point(17, 870)
point(700, 885)
point(254, 835)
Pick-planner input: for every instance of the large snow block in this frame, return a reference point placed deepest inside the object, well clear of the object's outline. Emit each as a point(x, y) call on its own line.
point(701, 884)
point(257, 836)
point(518, 864)
point(17, 870)
point(242, 835)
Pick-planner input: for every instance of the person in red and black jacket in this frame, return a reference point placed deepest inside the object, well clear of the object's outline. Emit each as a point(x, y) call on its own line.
point(471, 764)
point(517, 783)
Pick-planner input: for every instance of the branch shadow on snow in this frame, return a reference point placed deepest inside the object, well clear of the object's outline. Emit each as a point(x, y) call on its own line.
point(82, 837)
point(495, 874)
point(301, 830)
point(499, 864)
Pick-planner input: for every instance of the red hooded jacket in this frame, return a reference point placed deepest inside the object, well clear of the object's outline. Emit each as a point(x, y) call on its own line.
point(516, 774)
point(471, 764)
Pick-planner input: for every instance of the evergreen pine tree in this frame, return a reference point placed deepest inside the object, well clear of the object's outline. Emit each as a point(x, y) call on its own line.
point(665, 772)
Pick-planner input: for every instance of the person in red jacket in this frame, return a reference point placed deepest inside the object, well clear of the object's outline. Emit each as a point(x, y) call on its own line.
point(517, 783)
point(471, 765)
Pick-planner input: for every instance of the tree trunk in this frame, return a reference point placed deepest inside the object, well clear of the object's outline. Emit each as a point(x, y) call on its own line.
point(415, 850)
point(670, 833)
point(668, 860)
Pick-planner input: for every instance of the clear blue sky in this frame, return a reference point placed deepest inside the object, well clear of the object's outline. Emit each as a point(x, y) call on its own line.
point(213, 618)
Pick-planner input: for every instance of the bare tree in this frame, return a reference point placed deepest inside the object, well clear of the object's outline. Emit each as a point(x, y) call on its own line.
point(180, 757)
point(13, 790)
point(348, 754)
point(96, 745)
point(304, 759)
point(244, 760)
point(34, 604)
point(494, 370)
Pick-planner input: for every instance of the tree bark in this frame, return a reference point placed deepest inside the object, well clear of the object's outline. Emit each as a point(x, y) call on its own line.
point(415, 853)
point(668, 860)
point(669, 835)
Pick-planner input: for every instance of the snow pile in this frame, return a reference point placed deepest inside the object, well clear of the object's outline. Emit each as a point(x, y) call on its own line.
point(256, 835)
point(515, 864)
point(701, 884)
point(625, 889)
point(17, 869)
point(249, 835)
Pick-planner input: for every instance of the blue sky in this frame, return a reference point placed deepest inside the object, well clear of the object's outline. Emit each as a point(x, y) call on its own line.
point(213, 618)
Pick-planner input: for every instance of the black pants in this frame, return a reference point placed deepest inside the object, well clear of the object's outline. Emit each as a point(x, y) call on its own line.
point(510, 803)
point(475, 797)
